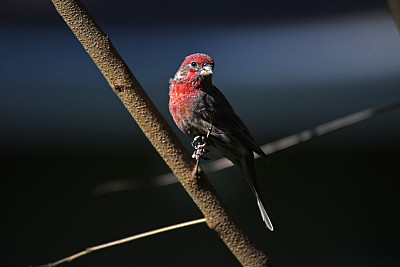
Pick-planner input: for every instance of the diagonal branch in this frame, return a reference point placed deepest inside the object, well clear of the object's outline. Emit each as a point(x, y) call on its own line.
point(122, 241)
point(309, 134)
point(278, 145)
point(156, 129)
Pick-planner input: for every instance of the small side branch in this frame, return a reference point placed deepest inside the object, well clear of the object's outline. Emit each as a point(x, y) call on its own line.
point(278, 145)
point(309, 134)
point(121, 241)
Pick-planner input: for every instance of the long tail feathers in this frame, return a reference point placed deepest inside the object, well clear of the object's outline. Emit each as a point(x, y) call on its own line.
point(264, 214)
point(248, 172)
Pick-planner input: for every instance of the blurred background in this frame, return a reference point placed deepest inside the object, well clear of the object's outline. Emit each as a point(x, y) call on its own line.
point(285, 66)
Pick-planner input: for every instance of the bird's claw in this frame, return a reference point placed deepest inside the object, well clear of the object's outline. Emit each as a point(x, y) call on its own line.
point(200, 153)
point(199, 143)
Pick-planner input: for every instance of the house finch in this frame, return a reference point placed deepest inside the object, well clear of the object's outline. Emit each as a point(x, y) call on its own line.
point(199, 109)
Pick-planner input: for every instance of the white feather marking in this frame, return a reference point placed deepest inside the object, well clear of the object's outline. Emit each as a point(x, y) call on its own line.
point(264, 214)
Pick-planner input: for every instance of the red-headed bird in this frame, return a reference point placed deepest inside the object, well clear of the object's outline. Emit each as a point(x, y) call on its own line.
point(200, 109)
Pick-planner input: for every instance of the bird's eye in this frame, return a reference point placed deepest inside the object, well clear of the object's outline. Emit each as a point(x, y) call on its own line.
point(194, 64)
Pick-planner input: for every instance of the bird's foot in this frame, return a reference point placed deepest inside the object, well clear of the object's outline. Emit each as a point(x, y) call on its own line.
point(200, 154)
point(199, 143)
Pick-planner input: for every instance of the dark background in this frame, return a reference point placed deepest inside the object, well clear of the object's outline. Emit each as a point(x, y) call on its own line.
point(285, 66)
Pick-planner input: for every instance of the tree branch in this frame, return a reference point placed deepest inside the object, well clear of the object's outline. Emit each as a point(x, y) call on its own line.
point(121, 241)
point(278, 145)
point(310, 134)
point(156, 129)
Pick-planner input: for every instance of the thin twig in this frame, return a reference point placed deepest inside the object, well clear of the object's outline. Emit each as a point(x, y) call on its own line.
point(121, 241)
point(309, 134)
point(281, 144)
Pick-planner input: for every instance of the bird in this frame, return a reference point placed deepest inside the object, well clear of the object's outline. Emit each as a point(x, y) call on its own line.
point(199, 109)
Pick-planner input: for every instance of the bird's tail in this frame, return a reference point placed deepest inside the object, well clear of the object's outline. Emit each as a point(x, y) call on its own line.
point(263, 212)
point(247, 170)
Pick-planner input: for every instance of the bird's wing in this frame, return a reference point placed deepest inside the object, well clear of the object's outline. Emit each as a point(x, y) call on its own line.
point(226, 121)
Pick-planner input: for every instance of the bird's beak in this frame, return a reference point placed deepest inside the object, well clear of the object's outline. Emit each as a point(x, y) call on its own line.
point(206, 70)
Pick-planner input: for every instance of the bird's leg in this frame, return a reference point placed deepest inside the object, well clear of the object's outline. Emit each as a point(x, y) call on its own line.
point(199, 143)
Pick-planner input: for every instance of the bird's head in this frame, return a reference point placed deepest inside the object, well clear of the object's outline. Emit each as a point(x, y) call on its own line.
point(195, 67)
